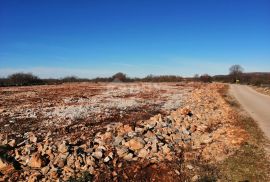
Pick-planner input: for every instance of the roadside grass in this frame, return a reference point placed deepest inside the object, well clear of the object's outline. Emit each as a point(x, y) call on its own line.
point(262, 89)
point(250, 162)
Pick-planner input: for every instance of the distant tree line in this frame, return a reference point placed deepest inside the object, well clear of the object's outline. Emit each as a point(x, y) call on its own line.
point(236, 74)
point(21, 79)
point(26, 79)
point(245, 78)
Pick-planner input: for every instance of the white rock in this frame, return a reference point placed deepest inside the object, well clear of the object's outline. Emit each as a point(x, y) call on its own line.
point(107, 159)
point(190, 167)
point(128, 157)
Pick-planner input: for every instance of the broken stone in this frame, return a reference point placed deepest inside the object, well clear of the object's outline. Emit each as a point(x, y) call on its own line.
point(97, 154)
point(121, 151)
point(107, 136)
point(110, 155)
point(53, 173)
point(34, 177)
point(185, 111)
point(45, 170)
point(128, 157)
point(195, 178)
point(32, 138)
point(90, 161)
point(77, 164)
point(70, 161)
point(67, 169)
point(143, 153)
point(139, 130)
point(101, 148)
point(157, 139)
point(117, 140)
point(36, 160)
point(166, 150)
point(177, 172)
point(63, 148)
point(186, 132)
point(131, 134)
point(5, 167)
point(50, 154)
point(135, 143)
point(12, 143)
point(60, 161)
point(114, 173)
point(154, 148)
point(107, 159)
point(190, 167)
point(124, 130)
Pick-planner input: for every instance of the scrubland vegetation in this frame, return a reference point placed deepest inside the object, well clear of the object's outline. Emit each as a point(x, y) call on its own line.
point(236, 74)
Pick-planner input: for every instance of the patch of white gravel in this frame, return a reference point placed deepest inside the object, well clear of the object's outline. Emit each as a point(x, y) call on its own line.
point(122, 97)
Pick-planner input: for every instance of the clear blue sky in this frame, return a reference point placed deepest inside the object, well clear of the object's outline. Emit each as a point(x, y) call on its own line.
point(55, 38)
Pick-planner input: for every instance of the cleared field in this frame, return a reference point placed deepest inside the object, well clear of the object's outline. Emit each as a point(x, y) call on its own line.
point(116, 132)
point(84, 106)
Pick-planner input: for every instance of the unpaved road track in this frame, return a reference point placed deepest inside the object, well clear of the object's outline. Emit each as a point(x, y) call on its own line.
point(256, 104)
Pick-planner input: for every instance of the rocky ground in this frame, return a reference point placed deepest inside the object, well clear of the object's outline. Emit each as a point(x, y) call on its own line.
point(115, 132)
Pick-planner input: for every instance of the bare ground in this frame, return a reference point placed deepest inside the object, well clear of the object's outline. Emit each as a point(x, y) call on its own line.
point(167, 132)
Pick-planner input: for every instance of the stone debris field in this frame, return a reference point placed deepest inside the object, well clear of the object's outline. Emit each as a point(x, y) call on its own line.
point(114, 132)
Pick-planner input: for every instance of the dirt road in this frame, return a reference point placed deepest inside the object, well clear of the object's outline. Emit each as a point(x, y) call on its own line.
point(256, 104)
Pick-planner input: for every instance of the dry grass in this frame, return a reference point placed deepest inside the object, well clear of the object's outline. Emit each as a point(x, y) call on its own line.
point(263, 90)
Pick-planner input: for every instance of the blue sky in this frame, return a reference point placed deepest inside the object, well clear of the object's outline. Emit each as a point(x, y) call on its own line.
point(56, 38)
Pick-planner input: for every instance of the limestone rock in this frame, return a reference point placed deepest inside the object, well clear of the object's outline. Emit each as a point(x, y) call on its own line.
point(124, 130)
point(5, 167)
point(34, 177)
point(107, 159)
point(121, 151)
point(12, 143)
point(185, 111)
point(36, 160)
point(45, 170)
point(117, 140)
point(63, 148)
point(135, 144)
point(128, 157)
point(32, 138)
point(97, 154)
point(165, 149)
point(143, 153)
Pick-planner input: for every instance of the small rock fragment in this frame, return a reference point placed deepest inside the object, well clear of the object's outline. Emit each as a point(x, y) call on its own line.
point(135, 144)
point(5, 167)
point(63, 148)
point(12, 143)
point(177, 172)
point(143, 153)
point(36, 160)
point(97, 154)
point(190, 167)
point(107, 159)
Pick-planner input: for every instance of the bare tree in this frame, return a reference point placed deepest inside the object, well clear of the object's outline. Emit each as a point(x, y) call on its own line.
point(236, 72)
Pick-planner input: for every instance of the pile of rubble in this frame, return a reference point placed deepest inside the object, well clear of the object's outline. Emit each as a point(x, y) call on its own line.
point(203, 129)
